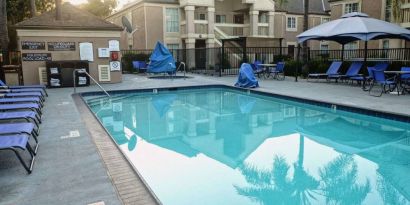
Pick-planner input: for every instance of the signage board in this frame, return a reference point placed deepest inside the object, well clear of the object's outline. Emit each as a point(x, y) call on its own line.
point(61, 46)
point(33, 45)
point(36, 56)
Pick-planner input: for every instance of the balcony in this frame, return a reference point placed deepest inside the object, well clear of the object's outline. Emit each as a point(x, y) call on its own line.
point(234, 30)
point(263, 29)
point(406, 17)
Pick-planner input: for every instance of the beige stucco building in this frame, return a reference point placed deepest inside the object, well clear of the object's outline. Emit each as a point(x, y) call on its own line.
point(379, 9)
point(203, 23)
point(45, 38)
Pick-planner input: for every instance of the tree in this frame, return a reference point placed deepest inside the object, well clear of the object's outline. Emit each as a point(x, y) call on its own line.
point(101, 8)
point(33, 9)
point(4, 36)
point(305, 28)
point(396, 10)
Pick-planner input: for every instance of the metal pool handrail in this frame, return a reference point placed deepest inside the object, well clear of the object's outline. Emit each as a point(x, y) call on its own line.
point(85, 72)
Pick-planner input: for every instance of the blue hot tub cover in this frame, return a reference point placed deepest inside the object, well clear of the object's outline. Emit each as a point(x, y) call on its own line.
point(162, 60)
point(246, 78)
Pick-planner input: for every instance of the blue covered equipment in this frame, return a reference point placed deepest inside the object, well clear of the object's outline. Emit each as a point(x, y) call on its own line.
point(162, 60)
point(246, 78)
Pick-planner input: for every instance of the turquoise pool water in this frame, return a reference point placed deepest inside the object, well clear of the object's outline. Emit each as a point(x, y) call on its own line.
point(223, 146)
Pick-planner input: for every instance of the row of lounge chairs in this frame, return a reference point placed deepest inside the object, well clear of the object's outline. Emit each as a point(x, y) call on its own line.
point(376, 76)
point(20, 118)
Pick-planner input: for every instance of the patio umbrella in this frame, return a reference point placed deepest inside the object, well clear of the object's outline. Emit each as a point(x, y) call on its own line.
point(352, 27)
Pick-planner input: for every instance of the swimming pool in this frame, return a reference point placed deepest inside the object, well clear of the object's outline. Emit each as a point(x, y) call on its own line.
point(220, 145)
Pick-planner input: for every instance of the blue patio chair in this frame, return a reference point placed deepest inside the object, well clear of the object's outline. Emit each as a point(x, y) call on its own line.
point(19, 142)
point(22, 106)
point(15, 87)
point(29, 116)
point(257, 69)
point(22, 100)
point(279, 72)
point(366, 80)
point(18, 129)
point(140, 66)
point(353, 71)
point(405, 78)
point(333, 70)
point(23, 90)
point(380, 79)
point(23, 94)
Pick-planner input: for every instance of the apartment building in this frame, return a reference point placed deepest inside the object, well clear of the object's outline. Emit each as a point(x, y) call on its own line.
point(380, 9)
point(204, 23)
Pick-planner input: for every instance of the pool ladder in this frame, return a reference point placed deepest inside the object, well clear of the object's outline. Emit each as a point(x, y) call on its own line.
point(85, 72)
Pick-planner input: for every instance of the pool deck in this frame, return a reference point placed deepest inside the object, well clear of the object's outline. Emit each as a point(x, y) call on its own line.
point(78, 163)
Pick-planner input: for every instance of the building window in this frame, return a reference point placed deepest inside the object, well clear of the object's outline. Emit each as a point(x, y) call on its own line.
point(263, 18)
point(325, 19)
point(352, 46)
point(291, 24)
point(351, 7)
point(201, 16)
point(324, 47)
point(386, 44)
point(220, 19)
point(172, 46)
point(172, 19)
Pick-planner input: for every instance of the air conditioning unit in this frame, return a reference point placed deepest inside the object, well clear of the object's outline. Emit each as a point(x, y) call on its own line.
point(104, 73)
point(42, 75)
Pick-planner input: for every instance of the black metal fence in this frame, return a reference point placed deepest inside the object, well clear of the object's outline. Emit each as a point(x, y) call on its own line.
point(227, 61)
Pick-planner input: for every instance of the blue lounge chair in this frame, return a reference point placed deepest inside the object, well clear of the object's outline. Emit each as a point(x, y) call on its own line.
point(366, 80)
point(21, 100)
point(23, 90)
point(19, 128)
point(279, 72)
point(23, 106)
point(380, 79)
point(43, 87)
point(16, 142)
point(333, 70)
point(353, 71)
point(29, 116)
point(24, 94)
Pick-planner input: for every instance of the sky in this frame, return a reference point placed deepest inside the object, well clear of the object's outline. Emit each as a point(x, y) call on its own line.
point(121, 3)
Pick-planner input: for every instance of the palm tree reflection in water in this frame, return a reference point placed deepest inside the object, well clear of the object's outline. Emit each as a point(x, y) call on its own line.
point(337, 183)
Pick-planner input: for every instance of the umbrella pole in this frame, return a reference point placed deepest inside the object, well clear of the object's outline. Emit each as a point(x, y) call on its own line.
point(297, 66)
point(365, 53)
point(343, 52)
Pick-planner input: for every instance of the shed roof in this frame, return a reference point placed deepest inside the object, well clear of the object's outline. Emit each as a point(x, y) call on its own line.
point(73, 18)
point(297, 7)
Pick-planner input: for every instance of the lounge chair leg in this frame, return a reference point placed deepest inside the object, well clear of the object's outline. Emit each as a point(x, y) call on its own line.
point(28, 168)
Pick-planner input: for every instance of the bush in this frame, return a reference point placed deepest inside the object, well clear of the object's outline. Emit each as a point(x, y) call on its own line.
point(127, 59)
point(291, 66)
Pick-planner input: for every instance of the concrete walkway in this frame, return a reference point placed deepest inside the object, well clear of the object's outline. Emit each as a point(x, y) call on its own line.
point(69, 169)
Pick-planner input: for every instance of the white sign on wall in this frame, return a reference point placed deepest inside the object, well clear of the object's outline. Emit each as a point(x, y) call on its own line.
point(103, 52)
point(86, 51)
point(115, 65)
point(114, 45)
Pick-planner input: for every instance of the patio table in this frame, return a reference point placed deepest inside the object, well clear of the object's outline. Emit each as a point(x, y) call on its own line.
point(266, 68)
point(400, 88)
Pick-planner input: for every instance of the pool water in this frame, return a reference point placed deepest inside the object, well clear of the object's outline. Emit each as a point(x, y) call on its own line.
point(224, 146)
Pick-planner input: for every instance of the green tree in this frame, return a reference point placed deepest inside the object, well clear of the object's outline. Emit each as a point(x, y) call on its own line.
point(4, 37)
point(101, 8)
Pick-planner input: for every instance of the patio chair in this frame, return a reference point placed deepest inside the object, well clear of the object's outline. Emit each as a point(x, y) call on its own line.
point(257, 69)
point(380, 79)
point(43, 87)
point(140, 66)
point(29, 116)
point(22, 100)
point(353, 71)
point(22, 106)
point(24, 94)
point(366, 80)
point(279, 72)
point(23, 90)
point(19, 142)
point(18, 129)
point(405, 78)
point(333, 70)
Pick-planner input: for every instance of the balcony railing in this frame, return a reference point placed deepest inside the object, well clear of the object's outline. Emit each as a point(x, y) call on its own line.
point(406, 17)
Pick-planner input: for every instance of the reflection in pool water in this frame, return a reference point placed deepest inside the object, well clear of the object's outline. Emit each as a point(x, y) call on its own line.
point(220, 146)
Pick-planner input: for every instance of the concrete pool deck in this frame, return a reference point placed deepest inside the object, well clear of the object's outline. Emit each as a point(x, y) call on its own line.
point(76, 163)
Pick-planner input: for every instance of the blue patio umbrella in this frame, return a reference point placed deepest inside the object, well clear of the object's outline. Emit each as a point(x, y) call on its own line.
point(352, 27)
